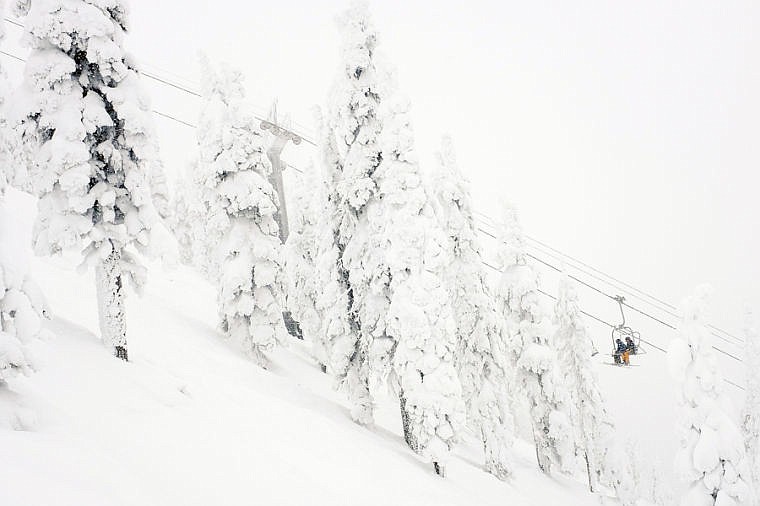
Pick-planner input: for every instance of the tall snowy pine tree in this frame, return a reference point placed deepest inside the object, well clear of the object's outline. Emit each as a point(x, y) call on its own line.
point(87, 127)
point(405, 270)
point(590, 419)
point(712, 458)
point(240, 230)
point(351, 156)
point(482, 357)
point(534, 358)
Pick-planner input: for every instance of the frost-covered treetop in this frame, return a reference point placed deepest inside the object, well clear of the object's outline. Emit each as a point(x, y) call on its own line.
point(512, 239)
point(224, 83)
point(359, 39)
point(354, 103)
point(452, 190)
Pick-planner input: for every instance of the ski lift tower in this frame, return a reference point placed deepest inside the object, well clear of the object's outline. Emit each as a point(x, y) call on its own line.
point(281, 138)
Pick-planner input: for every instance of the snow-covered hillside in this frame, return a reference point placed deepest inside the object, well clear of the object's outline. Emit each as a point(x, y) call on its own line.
point(191, 421)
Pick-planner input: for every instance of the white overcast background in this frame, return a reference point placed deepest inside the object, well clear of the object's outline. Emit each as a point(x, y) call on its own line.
point(627, 133)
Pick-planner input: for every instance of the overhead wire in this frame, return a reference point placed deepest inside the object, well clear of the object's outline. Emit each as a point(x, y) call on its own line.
point(591, 275)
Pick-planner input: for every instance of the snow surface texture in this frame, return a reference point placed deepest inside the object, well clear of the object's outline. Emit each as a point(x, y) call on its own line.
point(712, 457)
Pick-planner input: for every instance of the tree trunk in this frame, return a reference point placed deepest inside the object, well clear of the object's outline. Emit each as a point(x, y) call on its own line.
point(408, 437)
point(590, 474)
point(544, 463)
point(113, 325)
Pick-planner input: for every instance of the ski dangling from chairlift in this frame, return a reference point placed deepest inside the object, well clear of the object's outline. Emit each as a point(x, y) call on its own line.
point(625, 340)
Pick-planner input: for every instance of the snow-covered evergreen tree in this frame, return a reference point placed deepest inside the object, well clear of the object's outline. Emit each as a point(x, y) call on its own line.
point(574, 346)
point(188, 219)
point(22, 307)
point(86, 124)
point(537, 381)
point(22, 311)
point(751, 411)
point(406, 270)
point(352, 156)
point(301, 250)
point(240, 226)
point(481, 356)
point(332, 303)
point(712, 458)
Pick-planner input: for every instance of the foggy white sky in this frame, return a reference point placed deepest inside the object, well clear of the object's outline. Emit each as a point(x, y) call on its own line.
point(626, 132)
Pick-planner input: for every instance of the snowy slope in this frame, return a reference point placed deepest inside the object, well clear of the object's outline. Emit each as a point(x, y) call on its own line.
point(190, 421)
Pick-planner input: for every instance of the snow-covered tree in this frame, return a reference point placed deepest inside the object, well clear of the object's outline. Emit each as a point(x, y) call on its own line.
point(22, 307)
point(537, 381)
point(751, 411)
point(240, 227)
point(712, 458)
point(405, 271)
point(22, 311)
point(481, 356)
point(352, 155)
point(187, 220)
point(301, 250)
point(574, 346)
point(332, 303)
point(86, 124)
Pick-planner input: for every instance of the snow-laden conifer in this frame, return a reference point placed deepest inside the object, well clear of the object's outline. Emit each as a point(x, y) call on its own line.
point(332, 302)
point(712, 457)
point(240, 228)
point(301, 250)
point(537, 381)
point(751, 411)
point(188, 219)
point(405, 275)
point(22, 312)
point(574, 346)
point(481, 357)
point(86, 125)
point(351, 148)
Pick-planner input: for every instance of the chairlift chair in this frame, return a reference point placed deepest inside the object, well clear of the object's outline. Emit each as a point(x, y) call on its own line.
point(621, 331)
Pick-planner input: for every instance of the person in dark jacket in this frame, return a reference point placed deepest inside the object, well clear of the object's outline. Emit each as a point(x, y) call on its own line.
point(630, 345)
point(619, 351)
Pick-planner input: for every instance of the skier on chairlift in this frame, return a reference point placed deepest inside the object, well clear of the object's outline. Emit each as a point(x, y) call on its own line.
point(620, 355)
point(630, 345)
